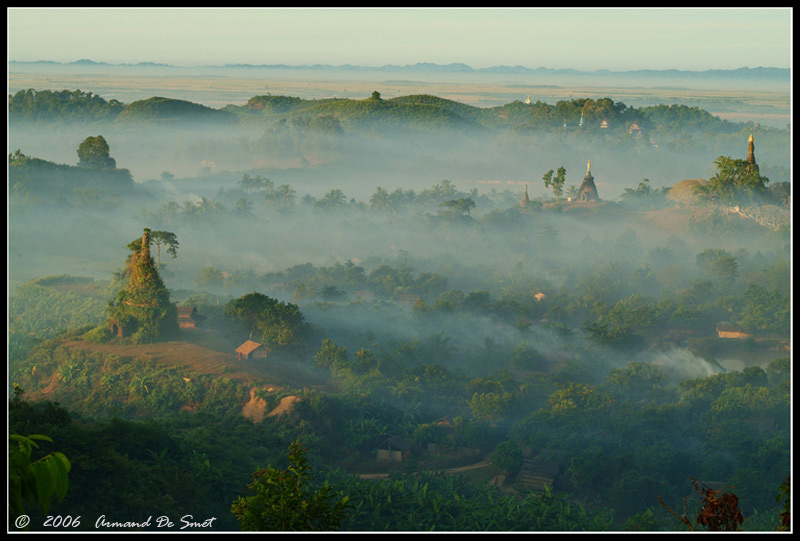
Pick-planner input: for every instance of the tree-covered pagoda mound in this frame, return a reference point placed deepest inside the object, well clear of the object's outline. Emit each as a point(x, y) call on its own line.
point(142, 312)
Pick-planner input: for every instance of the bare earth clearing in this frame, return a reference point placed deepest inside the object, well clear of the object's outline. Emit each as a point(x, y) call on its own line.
point(206, 351)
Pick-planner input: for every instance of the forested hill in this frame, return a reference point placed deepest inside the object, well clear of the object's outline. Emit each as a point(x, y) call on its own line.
point(410, 113)
point(334, 115)
point(166, 111)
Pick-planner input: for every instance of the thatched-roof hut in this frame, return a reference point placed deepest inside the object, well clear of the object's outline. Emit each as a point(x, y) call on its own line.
point(189, 318)
point(251, 350)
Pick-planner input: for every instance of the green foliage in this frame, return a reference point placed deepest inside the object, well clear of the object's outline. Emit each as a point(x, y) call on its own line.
point(45, 307)
point(278, 324)
point(637, 381)
point(784, 494)
point(720, 264)
point(332, 356)
point(508, 456)
point(433, 502)
point(257, 183)
point(557, 182)
point(646, 198)
point(173, 112)
point(48, 106)
point(166, 239)
point(736, 181)
point(36, 178)
point(457, 209)
point(334, 199)
point(94, 153)
point(763, 310)
point(285, 500)
point(35, 482)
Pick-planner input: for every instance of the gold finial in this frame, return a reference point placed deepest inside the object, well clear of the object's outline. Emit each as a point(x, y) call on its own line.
point(751, 138)
point(589, 167)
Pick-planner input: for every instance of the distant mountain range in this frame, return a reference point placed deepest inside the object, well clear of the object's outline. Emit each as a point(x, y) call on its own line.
point(762, 73)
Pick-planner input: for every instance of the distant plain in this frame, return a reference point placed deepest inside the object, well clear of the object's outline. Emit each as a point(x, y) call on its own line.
point(767, 104)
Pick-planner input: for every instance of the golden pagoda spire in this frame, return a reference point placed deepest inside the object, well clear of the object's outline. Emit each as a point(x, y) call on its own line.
point(751, 155)
point(589, 168)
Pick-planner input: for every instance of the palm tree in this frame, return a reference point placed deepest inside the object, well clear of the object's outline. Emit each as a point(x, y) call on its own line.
point(439, 347)
point(139, 385)
point(243, 206)
point(380, 200)
point(69, 371)
point(283, 196)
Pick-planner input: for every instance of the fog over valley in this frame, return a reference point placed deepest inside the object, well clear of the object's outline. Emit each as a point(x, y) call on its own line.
point(457, 299)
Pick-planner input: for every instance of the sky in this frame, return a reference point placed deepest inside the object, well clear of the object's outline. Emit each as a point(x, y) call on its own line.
point(578, 38)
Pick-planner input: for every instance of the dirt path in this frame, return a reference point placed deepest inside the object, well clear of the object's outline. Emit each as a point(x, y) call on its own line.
point(448, 471)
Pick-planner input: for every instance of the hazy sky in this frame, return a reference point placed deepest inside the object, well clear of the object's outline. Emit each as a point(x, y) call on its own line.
point(585, 39)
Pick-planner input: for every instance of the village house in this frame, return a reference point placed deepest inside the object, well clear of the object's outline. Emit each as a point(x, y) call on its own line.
point(727, 330)
point(760, 427)
point(394, 449)
point(538, 474)
point(364, 295)
point(252, 350)
point(188, 318)
point(408, 298)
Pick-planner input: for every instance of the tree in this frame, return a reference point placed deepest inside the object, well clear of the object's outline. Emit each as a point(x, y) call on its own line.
point(210, 277)
point(784, 493)
point(458, 209)
point(36, 482)
point(556, 183)
point(285, 500)
point(719, 263)
point(365, 360)
point(508, 456)
point(332, 355)
point(735, 181)
point(243, 207)
point(282, 197)
point(646, 197)
point(334, 199)
point(251, 184)
point(720, 511)
point(94, 153)
point(279, 324)
point(380, 200)
point(164, 238)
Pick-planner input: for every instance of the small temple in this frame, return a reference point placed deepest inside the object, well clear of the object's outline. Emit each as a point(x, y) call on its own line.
point(523, 204)
point(587, 190)
point(751, 157)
